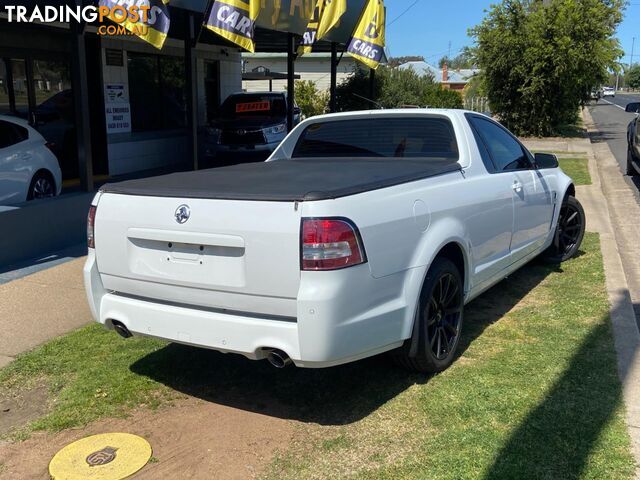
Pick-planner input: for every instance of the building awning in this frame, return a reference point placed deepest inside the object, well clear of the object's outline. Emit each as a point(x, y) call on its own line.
point(273, 24)
point(267, 76)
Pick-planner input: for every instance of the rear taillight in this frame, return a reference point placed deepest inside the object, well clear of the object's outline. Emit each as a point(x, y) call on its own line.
point(91, 223)
point(330, 244)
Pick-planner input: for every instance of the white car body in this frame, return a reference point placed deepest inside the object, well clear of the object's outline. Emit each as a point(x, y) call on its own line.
point(608, 92)
point(21, 161)
point(259, 299)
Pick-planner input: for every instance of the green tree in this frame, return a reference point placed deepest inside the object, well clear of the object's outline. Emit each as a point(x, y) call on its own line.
point(540, 60)
point(464, 59)
point(633, 77)
point(310, 100)
point(394, 88)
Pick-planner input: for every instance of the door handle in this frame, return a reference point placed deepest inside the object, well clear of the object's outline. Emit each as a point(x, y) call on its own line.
point(517, 186)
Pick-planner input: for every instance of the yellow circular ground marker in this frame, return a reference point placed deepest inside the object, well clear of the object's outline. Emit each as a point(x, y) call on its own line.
point(108, 456)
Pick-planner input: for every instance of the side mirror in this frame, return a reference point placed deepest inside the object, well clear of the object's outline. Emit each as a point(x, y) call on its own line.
point(633, 107)
point(546, 160)
point(297, 111)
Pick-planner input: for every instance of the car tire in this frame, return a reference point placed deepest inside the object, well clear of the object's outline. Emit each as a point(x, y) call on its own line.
point(42, 186)
point(569, 232)
point(631, 170)
point(438, 323)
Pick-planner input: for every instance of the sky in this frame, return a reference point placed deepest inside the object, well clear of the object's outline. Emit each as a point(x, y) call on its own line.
point(428, 27)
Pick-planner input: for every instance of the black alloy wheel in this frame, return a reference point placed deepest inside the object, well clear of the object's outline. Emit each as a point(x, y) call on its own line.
point(569, 232)
point(438, 324)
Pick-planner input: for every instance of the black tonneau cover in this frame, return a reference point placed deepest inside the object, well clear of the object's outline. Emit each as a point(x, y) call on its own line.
point(288, 180)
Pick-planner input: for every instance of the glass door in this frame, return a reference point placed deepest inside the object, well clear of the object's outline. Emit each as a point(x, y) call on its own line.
point(54, 112)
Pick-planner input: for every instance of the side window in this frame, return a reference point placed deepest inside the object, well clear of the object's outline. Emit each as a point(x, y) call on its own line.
point(505, 151)
point(22, 133)
point(8, 135)
point(484, 153)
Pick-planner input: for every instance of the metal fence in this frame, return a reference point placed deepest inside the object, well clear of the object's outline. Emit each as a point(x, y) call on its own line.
point(476, 104)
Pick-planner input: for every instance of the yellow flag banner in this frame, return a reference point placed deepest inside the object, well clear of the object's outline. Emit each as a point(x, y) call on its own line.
point(367, 43)
point(325, 16)
point(235, 20)
point(150, 22)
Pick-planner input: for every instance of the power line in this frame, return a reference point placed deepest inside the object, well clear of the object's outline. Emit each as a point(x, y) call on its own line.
point(405, 11)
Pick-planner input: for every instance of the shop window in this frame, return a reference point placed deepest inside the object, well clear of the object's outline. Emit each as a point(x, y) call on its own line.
point(20, 86)
point(212, 90)
point(54, 114)
point(156, 92)
point(5, 101)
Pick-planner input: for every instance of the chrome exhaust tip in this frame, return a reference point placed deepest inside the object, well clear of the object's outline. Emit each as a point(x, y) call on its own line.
point(121, 329)
point(278, 358)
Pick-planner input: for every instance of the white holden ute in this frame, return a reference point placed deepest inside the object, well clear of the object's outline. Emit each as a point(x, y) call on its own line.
point(363, 233)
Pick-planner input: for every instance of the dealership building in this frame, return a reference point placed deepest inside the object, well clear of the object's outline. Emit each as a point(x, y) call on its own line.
point(137, 101)
point(113, 107)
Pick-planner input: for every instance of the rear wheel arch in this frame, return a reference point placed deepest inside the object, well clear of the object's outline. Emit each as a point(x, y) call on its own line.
point(451, 250)
point(42, 172)
point(454, 252)
point(47, 172)
point(410, 354)
point(570, 191)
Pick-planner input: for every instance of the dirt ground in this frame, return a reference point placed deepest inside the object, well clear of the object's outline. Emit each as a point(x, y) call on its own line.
point(17, 410)
point(191, 439)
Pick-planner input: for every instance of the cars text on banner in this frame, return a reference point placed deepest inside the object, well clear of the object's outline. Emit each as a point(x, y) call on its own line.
point(235, 20)
point(367, 43)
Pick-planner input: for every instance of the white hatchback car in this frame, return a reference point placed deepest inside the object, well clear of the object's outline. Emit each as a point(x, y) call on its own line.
point(28, 169)
point(608, 92)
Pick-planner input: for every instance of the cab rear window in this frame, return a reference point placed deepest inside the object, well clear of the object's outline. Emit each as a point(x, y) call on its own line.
point(392, 137)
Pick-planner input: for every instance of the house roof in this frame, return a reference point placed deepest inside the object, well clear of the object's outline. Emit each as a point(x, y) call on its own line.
point(455, 76)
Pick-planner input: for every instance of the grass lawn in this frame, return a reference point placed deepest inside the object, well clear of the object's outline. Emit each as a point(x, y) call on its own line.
point(577, 168)
point(534, 393)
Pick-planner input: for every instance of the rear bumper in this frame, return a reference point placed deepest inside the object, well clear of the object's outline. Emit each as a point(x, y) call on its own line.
point(334, 324)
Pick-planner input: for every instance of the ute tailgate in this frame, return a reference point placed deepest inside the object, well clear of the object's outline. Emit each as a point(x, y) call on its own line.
point(226, 255)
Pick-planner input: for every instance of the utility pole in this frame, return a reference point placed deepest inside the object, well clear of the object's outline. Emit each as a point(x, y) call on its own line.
point(633, 44)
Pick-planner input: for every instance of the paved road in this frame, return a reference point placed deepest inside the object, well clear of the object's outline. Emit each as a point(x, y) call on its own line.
point(611, 121)
point(624, 203)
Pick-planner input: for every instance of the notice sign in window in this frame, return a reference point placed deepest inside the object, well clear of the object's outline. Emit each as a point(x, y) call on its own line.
point(118, 118)
point(117, 108)
point(253, 107)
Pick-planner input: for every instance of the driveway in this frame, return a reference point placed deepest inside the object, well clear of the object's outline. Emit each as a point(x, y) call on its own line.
point(41, 306)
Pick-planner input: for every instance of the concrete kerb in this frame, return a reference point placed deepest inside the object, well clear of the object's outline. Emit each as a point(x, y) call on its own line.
point(602, 217)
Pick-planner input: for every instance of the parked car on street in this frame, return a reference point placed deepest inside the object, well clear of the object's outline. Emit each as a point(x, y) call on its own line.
point(250, 127)
point(596, 94)
point(633, 141)
point(364, 232)
point(28, 168)
point(608, 92)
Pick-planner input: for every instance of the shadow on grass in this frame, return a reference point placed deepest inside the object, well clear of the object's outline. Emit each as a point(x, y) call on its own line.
point(332, 396)
point(572, 130)
point(557, 437)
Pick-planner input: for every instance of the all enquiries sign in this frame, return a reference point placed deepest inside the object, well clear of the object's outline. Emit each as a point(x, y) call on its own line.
point(117, 109)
